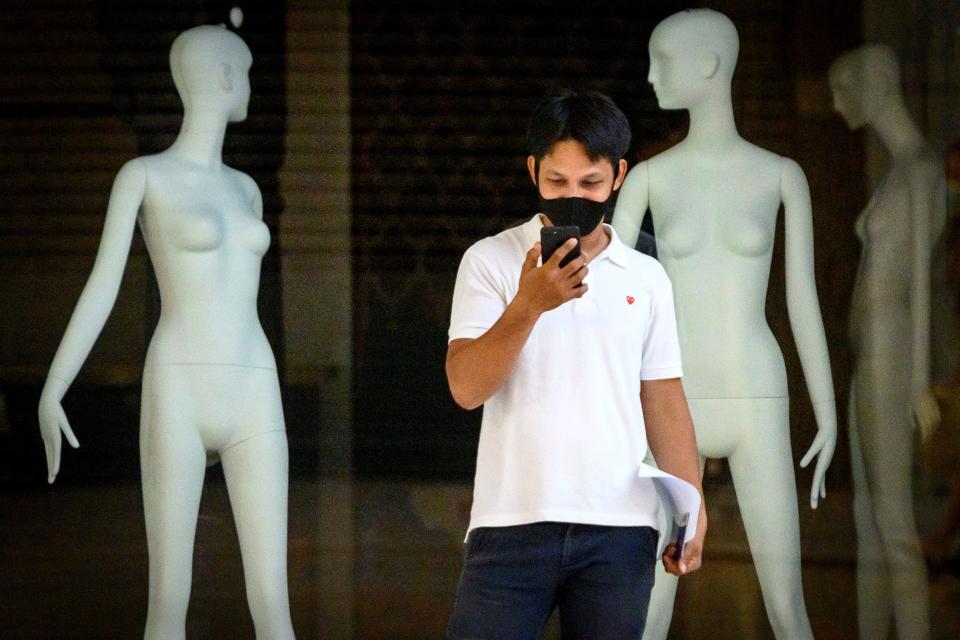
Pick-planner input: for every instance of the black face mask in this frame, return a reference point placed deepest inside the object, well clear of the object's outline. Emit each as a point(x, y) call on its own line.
point(581, 212)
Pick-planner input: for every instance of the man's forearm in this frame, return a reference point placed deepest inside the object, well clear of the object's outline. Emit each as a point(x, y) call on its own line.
point(476, 369)
point(673, 443)
point(670, 432)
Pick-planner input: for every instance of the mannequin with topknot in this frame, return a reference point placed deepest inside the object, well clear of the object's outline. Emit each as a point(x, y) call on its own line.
point(210, 385)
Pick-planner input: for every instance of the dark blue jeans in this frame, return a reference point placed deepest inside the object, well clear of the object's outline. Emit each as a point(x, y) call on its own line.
point(599, 577)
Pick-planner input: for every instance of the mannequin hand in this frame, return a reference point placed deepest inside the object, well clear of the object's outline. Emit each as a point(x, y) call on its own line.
point(547, 287)
point(53, 421)
point(822, 448)
point(926, 414)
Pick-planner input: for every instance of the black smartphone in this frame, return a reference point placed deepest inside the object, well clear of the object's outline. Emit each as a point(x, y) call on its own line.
point(552, 237)
point(680, 532)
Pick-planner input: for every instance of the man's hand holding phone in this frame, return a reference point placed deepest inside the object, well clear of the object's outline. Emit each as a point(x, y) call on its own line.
point(547, 287)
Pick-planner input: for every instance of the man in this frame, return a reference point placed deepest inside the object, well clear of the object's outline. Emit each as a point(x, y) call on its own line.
point(556, 355)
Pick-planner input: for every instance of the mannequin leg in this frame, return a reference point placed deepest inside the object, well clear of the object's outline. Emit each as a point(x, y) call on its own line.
point(660, 611)
point(874, 603)
point(762, 470)
point(886, 444)
point(172, 464)
point(256, 471)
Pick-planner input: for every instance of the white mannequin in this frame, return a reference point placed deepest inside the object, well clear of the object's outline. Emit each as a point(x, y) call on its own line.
point(714, 198)
point(210, 384)
point(890, 334)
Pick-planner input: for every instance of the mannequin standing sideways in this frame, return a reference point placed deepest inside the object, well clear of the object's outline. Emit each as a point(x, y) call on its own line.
point(714, 198)
point(890, 334)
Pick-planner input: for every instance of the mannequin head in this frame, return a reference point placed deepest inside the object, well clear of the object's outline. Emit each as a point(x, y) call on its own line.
point(210, 67)
point(693, 54)
point(583, 126)
point(864, 82)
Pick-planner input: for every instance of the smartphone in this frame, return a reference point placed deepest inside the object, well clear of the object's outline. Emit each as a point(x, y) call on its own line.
point(680, 532)
point(552, 237)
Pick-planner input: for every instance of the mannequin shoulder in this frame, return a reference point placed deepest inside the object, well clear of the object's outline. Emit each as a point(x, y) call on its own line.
point(792, 177)
point(132, 175)
point(248, 184)
point(748, 152)
point(663, 168)
point(637, 175)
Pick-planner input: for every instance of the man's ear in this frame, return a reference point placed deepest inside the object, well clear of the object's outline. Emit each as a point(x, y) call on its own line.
point(532, 169)
point(621, 174)
point(225, 76)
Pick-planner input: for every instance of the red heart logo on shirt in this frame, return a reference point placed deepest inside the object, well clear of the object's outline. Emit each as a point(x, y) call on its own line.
point(629, 299)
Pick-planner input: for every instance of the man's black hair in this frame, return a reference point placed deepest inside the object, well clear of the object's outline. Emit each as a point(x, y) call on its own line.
point(589, 117)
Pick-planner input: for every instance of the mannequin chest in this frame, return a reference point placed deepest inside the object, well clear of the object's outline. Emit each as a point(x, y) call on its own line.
point(714, 216)
point(195, 212)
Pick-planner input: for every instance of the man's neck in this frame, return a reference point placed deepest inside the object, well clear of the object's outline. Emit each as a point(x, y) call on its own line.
point(593, 244)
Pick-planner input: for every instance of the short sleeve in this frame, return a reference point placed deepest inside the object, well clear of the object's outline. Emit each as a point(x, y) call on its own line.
point(478, 298)
point(661, 346)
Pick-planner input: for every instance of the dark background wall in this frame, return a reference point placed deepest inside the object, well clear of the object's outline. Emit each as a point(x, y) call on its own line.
point(440, 101)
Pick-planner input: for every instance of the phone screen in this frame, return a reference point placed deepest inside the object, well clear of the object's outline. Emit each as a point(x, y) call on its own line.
point(552, 237)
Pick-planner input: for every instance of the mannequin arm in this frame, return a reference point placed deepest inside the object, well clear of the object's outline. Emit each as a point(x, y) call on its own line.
point(921, 218)
point(805, 320)
point(632, 204)
point(92, 309)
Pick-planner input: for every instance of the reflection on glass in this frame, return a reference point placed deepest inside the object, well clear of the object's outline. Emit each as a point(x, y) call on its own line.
point(890, 326)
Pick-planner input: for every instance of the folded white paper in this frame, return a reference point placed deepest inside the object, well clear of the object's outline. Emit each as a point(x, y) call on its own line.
point(676, 496)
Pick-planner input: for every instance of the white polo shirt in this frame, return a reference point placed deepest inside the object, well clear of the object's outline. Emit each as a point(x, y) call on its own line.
point(564, 438)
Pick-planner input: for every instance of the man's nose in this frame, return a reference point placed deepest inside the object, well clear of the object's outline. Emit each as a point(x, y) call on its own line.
point(575, 191)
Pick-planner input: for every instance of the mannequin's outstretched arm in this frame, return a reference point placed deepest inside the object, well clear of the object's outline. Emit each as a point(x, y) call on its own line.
point(632, 205)
point(93, 307)
point(805, 320)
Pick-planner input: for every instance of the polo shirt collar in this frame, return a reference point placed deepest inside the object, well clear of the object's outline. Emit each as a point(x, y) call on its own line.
point(618, 252)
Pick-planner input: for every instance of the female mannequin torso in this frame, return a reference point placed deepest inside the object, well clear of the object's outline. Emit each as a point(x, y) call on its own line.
point(880, 309)
point(729, 351)
point(205, 236)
